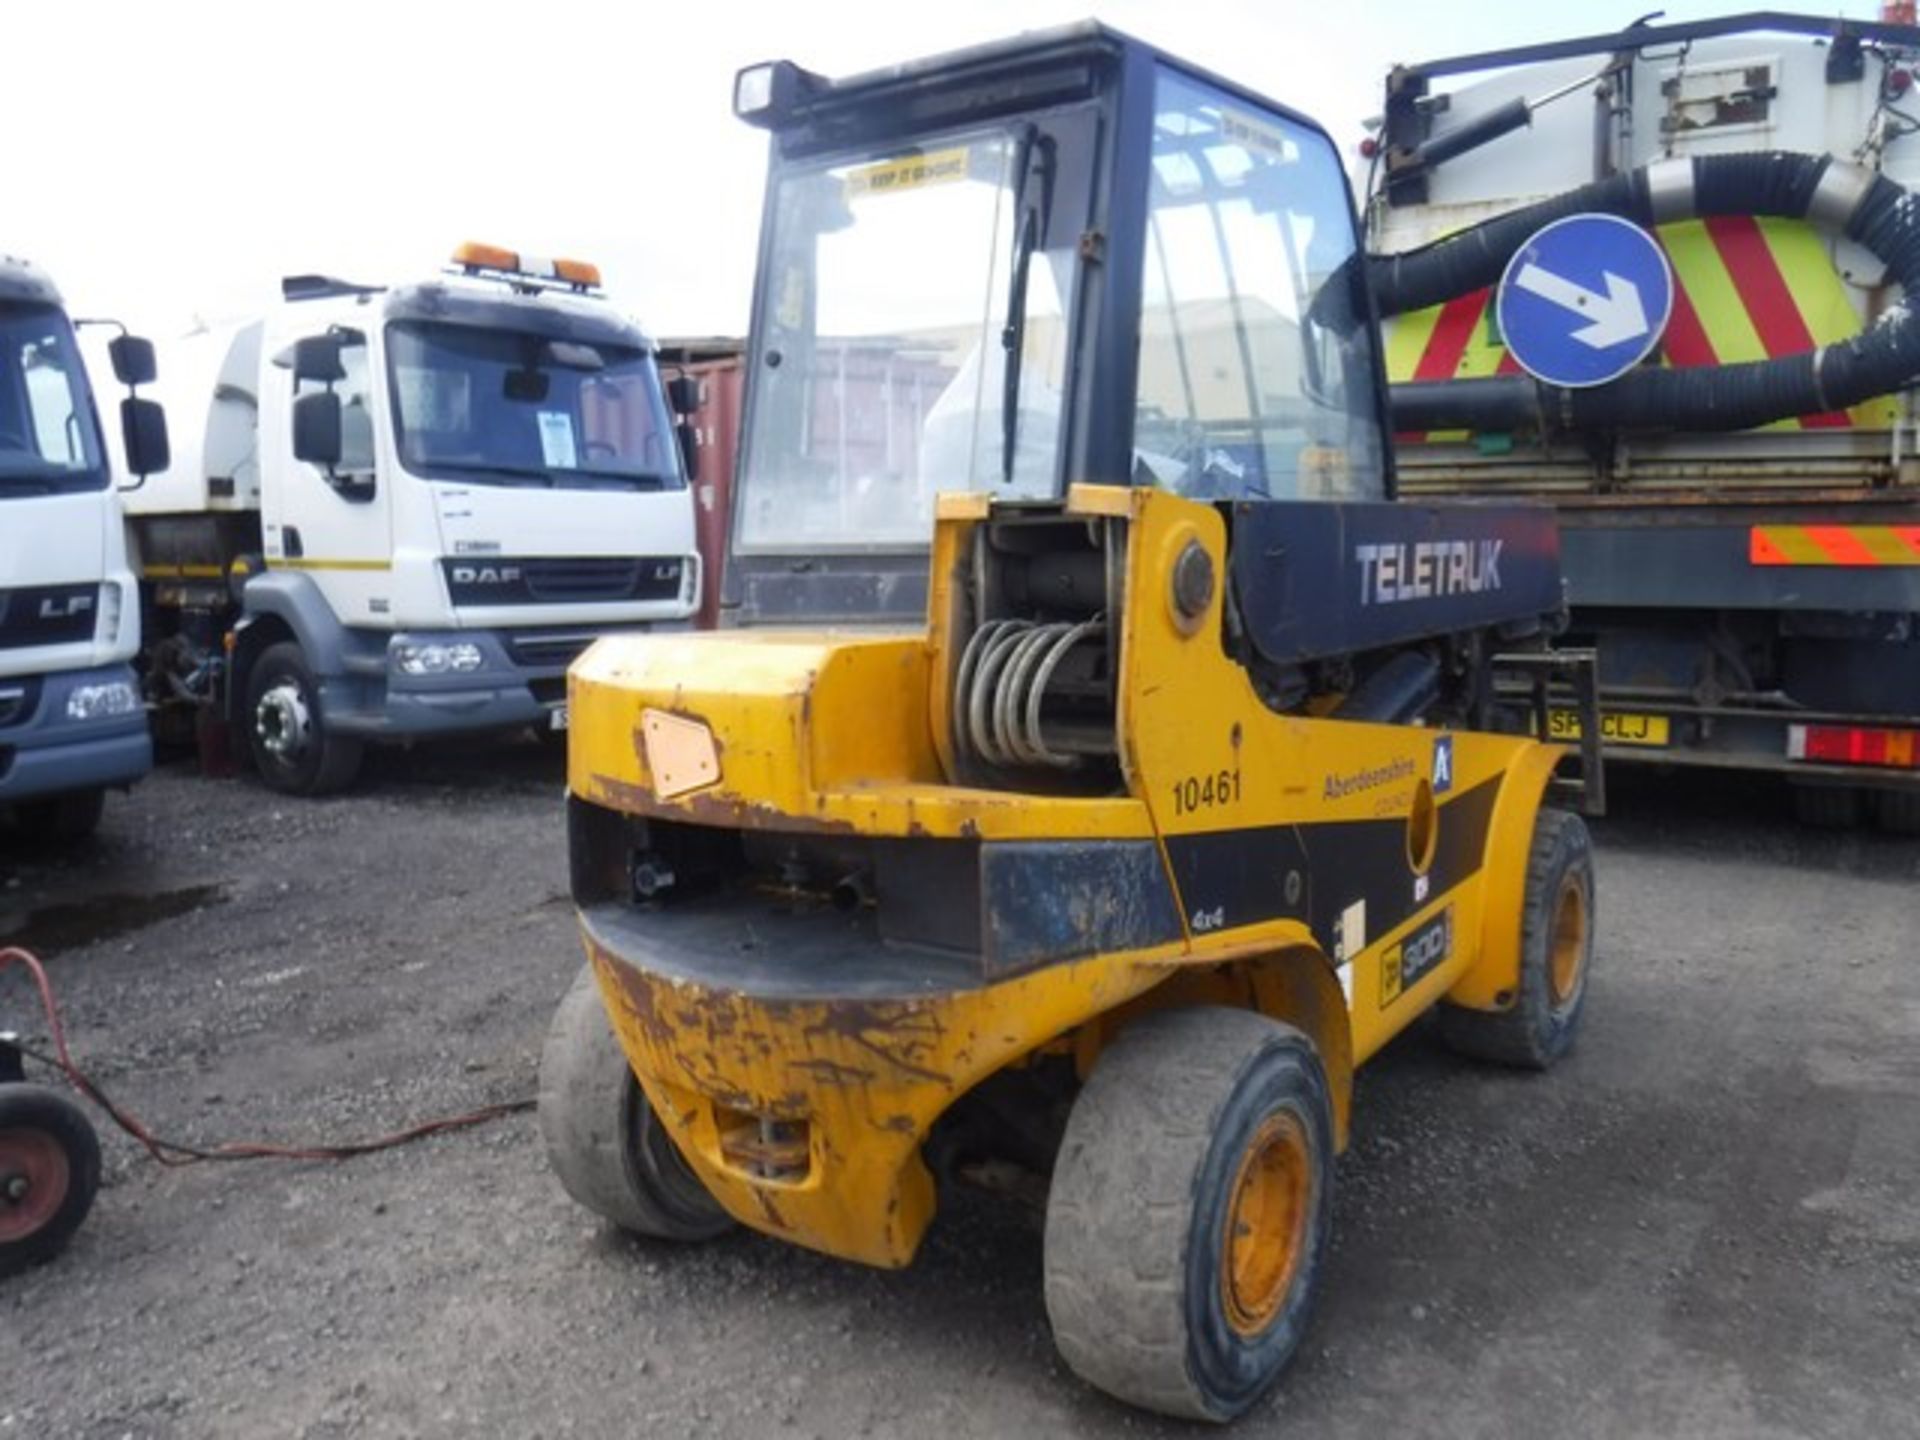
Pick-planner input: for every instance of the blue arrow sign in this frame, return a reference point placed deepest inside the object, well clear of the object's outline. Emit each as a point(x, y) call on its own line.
point(1584, 300)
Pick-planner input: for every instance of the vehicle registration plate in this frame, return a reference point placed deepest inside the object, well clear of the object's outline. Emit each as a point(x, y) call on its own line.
point(557, 718)
point(1617, 727)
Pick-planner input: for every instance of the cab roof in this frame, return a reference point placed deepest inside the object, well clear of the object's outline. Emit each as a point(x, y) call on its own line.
point(22, 281)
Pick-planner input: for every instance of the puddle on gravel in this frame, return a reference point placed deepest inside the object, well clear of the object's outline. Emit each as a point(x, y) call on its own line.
point(53, 928)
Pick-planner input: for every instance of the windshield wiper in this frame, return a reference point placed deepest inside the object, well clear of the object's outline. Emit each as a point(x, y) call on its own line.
point(481, 467)
point(1030, 231)
point(637, 479)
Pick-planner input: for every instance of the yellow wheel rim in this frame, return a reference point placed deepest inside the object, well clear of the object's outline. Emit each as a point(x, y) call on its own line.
point(1266, 1223)
point(1568, 954)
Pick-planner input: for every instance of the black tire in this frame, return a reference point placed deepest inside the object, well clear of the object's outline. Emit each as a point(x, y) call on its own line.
point(1829, 807)
point(1145, 1218)
point(293, 748)
point(1556, 956)
point(49, 1174)
point(63, 819)
point(1898, 811)
point(603, 1140)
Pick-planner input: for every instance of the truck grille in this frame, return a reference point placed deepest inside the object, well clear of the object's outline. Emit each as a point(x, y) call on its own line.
point(50, 615)
point(563, 580)
point(547, 652)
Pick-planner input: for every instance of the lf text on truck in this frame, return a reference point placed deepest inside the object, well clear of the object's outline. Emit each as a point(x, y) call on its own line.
point(1740, 514)
point(71, 722)
point(408, 509)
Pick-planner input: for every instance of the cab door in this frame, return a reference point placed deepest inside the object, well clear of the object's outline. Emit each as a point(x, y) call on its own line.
point(332, 522)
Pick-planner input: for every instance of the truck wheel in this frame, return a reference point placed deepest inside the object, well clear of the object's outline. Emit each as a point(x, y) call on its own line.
point(1829, 807)
point(1556, 952)
point(603, 1140)
point(49, 1173)
point(63, 819)
point(1898, 811)
point(1189, 1212)
point(292, 747)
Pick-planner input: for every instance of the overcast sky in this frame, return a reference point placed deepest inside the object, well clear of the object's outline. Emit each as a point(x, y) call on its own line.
point(174, 158)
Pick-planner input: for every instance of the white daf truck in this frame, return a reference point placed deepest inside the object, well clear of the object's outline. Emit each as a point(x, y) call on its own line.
point(71, 722)
point(407, 509)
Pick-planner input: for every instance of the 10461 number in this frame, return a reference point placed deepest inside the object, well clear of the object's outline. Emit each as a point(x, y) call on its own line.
point(1201, 792)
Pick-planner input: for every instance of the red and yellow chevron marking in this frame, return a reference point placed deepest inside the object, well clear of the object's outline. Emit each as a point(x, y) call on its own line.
point(1744, 289)
point(1834, 545)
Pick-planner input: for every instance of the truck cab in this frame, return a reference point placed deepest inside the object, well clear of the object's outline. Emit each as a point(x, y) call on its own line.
point(71, 720)
point(413, 506)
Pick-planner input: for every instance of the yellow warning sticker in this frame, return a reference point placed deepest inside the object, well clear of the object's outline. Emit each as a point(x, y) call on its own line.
point(907, 172)
point(1260, 136)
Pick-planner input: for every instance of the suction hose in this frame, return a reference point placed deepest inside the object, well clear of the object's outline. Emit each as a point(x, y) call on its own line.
point(1835, 194)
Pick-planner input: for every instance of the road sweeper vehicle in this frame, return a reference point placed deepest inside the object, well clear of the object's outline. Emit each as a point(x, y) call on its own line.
point(1102, 764)
point(71, 722)
point(1740, 511)
point(400, 512)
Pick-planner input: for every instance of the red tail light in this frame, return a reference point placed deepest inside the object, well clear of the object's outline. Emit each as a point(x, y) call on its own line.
point(1854, 745)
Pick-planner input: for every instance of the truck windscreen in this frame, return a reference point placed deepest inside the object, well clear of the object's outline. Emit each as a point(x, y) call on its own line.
point(506, 408)
point(896, 286)
point(49, 442)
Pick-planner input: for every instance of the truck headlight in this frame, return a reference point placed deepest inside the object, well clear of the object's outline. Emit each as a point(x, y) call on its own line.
point(437, 659)
point(102, 702)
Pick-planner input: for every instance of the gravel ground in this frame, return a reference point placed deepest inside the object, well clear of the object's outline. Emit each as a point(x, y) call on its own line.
point(1702, 1224)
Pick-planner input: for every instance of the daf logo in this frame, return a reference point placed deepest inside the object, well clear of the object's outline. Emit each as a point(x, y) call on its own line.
point(666, 570)
point(486, 574)
point(65, 609)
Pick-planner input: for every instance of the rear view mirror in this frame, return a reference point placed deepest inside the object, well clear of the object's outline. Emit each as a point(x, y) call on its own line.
point(529, 387)
point(316, 428)
point(689, 439)
point(683, 393)
point(317, 358)
point(133, 362)
point(143, 429)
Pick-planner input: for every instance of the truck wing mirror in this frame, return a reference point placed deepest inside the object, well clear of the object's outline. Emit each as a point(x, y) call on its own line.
point(689, 439)
point(683, 393)
point(317, 358)
point(143, 429)
point(316, 428)
point(133, 362)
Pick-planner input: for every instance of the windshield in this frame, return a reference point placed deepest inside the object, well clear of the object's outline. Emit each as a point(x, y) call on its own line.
point(504, 408)
point(48, 439)
point(890, 283)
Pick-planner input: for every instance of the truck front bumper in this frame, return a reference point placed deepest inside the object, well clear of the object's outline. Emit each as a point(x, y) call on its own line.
point(45, 750)
point(520, 679)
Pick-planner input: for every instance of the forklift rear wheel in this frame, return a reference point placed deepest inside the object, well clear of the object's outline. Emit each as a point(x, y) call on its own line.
point(294, 750)
point(49, 1173)
point(63, 819)
point(1556, 954)
point(1189, 1212)
point(603, 1140)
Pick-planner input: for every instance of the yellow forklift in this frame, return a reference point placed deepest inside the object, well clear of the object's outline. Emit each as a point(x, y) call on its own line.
point(1097, 763)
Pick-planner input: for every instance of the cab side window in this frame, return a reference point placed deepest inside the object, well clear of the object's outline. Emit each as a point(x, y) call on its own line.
point(1256, 372)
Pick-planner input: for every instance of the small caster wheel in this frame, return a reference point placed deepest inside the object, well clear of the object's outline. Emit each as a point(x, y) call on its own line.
point(49, 1174)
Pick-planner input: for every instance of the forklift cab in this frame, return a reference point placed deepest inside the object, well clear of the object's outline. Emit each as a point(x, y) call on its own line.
point(1064, 258)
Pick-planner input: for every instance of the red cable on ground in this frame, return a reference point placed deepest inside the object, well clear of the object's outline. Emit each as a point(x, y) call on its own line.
point(172, 1152)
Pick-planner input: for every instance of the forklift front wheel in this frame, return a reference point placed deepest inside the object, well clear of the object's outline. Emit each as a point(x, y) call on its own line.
point(603, 1140)
point(1189, 1212)
point(1556, 954)
point(49, 1173)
